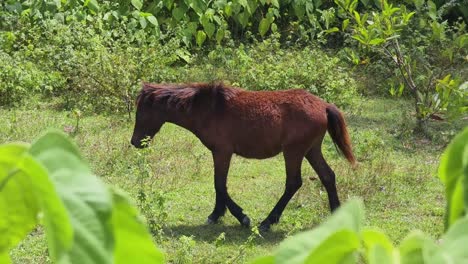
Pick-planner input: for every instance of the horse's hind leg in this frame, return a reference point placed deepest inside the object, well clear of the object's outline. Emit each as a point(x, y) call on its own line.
point(326, 175)
point(293, 183)
point(223, 200)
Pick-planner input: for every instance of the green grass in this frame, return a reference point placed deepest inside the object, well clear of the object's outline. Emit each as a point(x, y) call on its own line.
point(172, 181)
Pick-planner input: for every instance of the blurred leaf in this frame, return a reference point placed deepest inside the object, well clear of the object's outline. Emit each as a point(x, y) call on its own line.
point(153, 21)
point(337, 248)
point(143, 23)
point(85, 197)
point(128, 227)
point(345, 24)
point(263, 26)
point(209, 29)
point(376, 41)
point(178, 13)
point(137, 4)
point(331, 30)
point(220, 35)
point(379, 248)
point(18, 204)
point(200, 38)
point(453, 172)
point(411, 248)
point(346, 220)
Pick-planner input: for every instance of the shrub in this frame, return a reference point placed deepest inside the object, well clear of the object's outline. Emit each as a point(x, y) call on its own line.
point(267, 66)
point(20, 78)
point(90, 68)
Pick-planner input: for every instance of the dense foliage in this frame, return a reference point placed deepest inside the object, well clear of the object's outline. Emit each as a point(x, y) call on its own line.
point(93, 55)
point(343, 237)
point(85, 221)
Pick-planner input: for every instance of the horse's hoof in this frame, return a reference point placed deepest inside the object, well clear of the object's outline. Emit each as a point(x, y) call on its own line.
point(264, 228)
point(246, 221)
point(210, 221)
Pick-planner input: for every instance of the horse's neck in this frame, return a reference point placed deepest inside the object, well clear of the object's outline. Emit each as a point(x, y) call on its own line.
point(189, 121)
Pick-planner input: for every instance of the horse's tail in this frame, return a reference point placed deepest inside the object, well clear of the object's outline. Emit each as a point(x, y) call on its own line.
point(339, 133)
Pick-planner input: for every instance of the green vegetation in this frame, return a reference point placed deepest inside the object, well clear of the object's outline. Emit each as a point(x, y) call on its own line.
point(172, 183)
point(342, 238)
point(391, 66)
point(48, 183)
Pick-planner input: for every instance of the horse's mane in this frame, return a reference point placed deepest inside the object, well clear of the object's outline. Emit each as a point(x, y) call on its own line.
point(187, 96)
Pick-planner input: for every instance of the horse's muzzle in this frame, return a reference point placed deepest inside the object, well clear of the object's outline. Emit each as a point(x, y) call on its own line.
point(138, 144)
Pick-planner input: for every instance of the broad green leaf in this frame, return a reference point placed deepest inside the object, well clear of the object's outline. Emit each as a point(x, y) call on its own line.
point(243, 18)
point(133, 242)
point(345, 24)
point(376, 41)
point(92, 5)
point(432, 10)
point(54, 140)
point(18, 205)
point(198, 6)
point(379, 248)
point(143, 22)
point(275, 3)
point(55, 218)
point(452, 248)
point(411, 248)
point(178, 13)
point(340, 247)
point(299, 9)
point(452, 172)
point(87, 200)
point(357, 17)
point(296, 249)
point(263, 26)
point(228, 10)
point(200, 38)
point(209, 29)
point(331, 30)
point(359, 38)
point(418, 4)
point(220, 35)
point(5, 258)
point(153, 20)
point(137, 4)
point(457, 231)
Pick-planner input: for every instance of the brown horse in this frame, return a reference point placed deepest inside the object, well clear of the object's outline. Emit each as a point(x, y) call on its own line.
point(258, 125)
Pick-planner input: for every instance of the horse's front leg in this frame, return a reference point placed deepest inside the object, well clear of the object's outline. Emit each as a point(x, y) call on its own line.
point(222, 161)
point(293, 183)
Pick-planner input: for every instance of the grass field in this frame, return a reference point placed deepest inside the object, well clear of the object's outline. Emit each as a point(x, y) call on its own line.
point(172, 181)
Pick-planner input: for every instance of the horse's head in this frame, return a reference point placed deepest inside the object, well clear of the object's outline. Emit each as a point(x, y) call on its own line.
point(148, 121)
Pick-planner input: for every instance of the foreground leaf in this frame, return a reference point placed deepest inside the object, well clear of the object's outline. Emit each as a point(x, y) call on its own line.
point(453, 171)
point(87, 200)
point(129, 228)
point(18, 206)
point(346, 220)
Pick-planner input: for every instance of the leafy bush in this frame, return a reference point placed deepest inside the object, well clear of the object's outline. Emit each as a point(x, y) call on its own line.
point(96, 70)
point(20, 78)
point(423, 59)
point(343, 239)
point(84, 220)
point(267, 66)
point(91, 69)
point(193, 21)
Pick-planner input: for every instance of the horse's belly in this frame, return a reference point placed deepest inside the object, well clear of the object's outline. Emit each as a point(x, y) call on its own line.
point(257, 149)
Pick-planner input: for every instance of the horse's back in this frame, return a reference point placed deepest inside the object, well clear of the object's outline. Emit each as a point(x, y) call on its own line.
point(262, 124)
